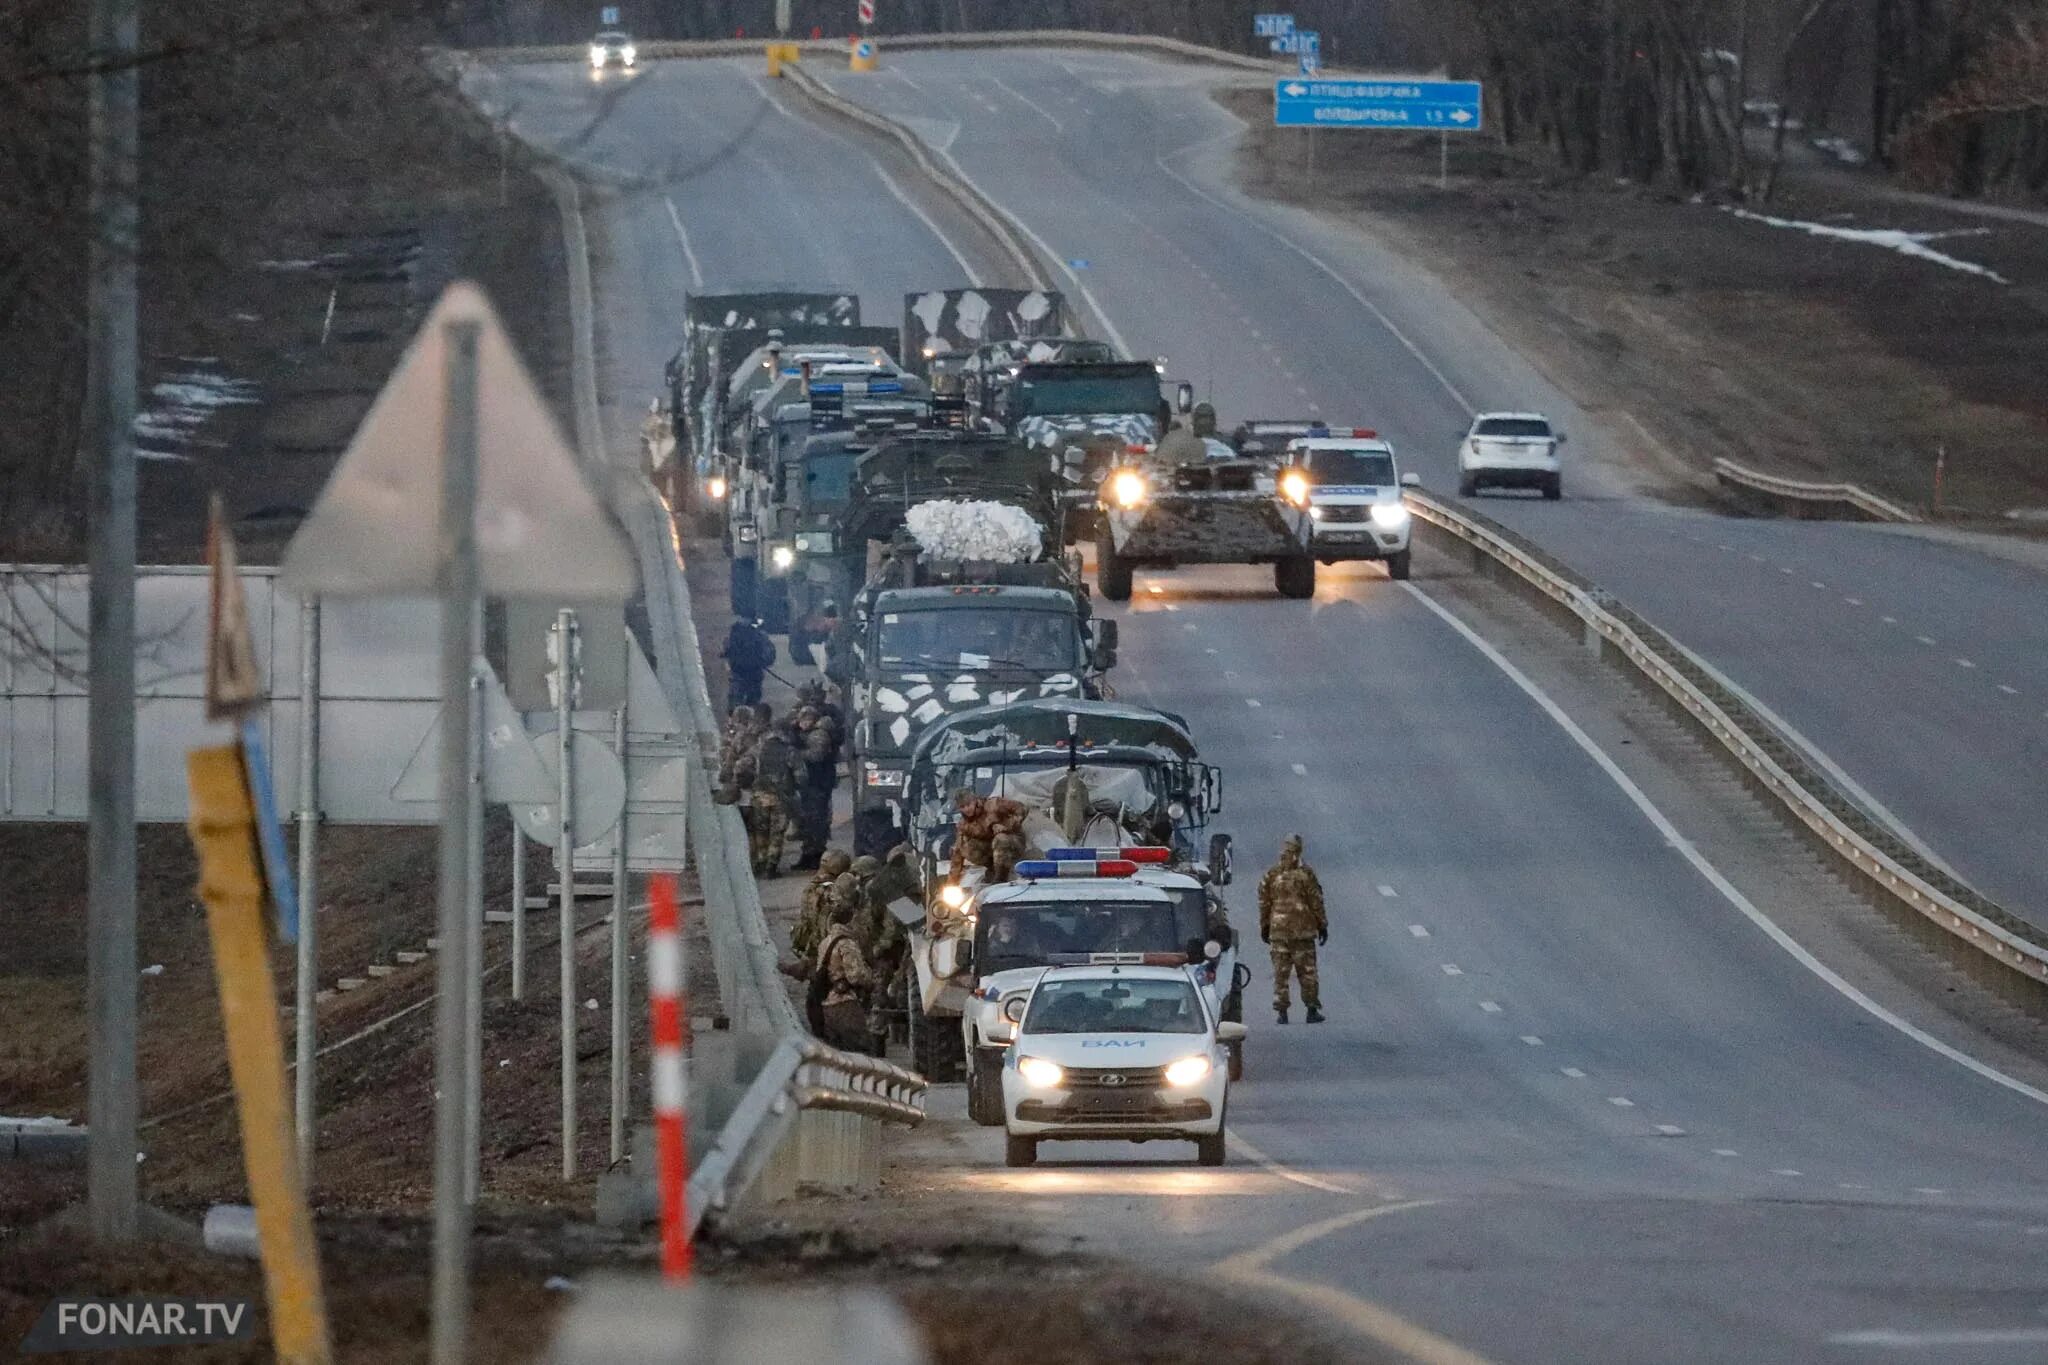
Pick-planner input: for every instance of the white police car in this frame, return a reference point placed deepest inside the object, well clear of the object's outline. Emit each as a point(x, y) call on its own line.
point(1120, 1053)
point(613, 48)
point(1355, 498)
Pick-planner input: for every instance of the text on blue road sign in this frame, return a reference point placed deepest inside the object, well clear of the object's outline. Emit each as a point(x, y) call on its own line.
point(1449, 106)
point(1272, 25)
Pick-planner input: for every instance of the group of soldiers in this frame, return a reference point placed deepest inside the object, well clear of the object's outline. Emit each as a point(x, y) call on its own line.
point(784, 772)
point(850, 947)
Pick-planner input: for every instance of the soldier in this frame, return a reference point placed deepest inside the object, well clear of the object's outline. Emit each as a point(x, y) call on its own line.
point(816, 915)
point(748, 654)
point(1185, 445)
point(841, 982)
point(1293, 923)
point(820, 775)
point(774, 789)
point(736, 744)
point(895, 879)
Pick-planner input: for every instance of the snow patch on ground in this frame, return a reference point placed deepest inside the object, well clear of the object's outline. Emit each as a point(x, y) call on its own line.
point(1840, 149)
point(1913, 244)
point(181, 403)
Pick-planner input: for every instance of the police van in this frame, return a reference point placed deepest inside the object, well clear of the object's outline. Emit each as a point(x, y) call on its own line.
point(1355, 506)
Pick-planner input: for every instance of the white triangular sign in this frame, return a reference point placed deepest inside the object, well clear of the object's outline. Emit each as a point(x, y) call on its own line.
point(513, 771)
point(540, 530)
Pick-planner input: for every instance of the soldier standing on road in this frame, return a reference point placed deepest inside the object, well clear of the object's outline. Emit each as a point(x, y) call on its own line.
point(1293, 921)
point(820, 776)
point(816, 915)
point(841, 983)
point(774, 797)
point(748, 652)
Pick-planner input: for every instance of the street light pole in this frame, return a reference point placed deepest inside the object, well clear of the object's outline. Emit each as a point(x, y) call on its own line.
point(109, 456)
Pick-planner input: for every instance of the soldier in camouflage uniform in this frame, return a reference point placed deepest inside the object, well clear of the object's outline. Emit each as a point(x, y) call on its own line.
point(888, 948)
point(816, 916)
point(1293, 922)
point(818, 755)
point(841, 983)
point(774, 786)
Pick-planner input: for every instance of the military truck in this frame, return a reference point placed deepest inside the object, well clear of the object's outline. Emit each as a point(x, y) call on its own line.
point(942, 328)
point(1083, 417)
point(1227, 509)
point(1119, 788)
point(848, 501)
point(690, 376)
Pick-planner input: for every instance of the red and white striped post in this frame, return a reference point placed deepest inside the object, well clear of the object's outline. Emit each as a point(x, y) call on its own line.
point(671, 1071)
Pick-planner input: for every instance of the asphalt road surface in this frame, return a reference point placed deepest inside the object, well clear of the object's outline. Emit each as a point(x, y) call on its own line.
point(1571, 1104)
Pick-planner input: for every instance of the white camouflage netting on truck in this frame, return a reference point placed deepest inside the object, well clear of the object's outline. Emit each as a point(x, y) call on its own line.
point(992, 532)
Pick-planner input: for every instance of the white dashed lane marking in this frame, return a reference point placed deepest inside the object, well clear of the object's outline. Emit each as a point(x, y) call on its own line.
point(1490, 1006)
point(1964, 663)
point(1925, 641)
point(1621, 1101)
point(1670, 1130)
point(1532, 1040)
point(1453, 969)
point(1726, 1151)
point(1301, 769)
point(2009, 691)
point(1384, 890)
point(1573, 1072)
point(1418, 930)
point(1252, 701)
point(1785, 1171)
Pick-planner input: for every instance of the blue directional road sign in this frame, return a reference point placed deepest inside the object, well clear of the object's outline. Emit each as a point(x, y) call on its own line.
point(1311, 53)
point(1443, 106)
point(1272, 25)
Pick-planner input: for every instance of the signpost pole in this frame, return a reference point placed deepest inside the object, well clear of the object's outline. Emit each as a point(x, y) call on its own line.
point(473, 921)
point(1443, 159)
point(565, 859)
point(620, 874)
point(518, 913)
point(304, 1110)
point(458, 584)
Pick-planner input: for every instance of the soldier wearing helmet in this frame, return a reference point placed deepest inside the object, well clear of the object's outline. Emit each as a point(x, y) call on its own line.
point(1188, 444)
point(1294, 922)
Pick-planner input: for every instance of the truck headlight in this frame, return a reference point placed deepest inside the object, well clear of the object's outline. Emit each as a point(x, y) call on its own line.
point(1188, 1071)
point(1315, 513)
point(714, 487)
point(1041, 1074)
point(1128, 488)
point(1294, 487)
point(782, 557)
point(597, 57)
point(1389, 516)
point(630, 54)
point(890, 778)
point(952, 895)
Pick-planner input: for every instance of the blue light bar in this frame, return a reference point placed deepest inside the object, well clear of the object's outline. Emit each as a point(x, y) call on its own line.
point(1038, 868)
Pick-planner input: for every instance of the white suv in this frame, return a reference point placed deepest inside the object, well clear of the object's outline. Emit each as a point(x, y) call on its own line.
point(1118, 1052)
point(1355, 498)
point(1510, 450)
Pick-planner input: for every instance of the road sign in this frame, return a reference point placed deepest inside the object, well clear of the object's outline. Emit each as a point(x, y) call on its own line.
point(1438, 106)
point(867, 11)
point(608, 15)
point(540, 530)
point(514, 773)
point(1272, 25)
point(1310, 50)
point(864, 51)
point(1286, 44)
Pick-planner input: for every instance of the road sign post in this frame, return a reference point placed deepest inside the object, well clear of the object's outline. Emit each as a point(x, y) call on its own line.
point(1400, 104)
point(620, 901)
point(307, 987)
point(565, 859)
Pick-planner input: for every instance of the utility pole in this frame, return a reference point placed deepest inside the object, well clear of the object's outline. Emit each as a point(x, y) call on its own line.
point(109, 459)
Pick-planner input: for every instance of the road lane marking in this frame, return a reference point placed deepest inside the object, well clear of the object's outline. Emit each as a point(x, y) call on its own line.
point(1960, 1336)
point(1418, 930)
point(1889, 620)
point(1300, 769)
point(1924, 640)
point(2009, 691)
point(1964, 663)
point(1573, 1072)
point(1387, 891)
point(1785, 1171)
point(683, 236)
point(1453, 969)
point(1729, 891)
point(1532, 1040)
point(1038, 108)
point(1927, 1189)
point(1726, 1151)
point(1490, 1006)
point(1253, 1269)
point(1253, 702)
point(1245, 1145)
point(1621, 1101)
point(1818, 584)
point(1852, 601)
point(1670, 1130)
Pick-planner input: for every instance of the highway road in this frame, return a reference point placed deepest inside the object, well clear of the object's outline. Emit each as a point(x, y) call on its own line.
point(1572, 1104)
point(1921, 669)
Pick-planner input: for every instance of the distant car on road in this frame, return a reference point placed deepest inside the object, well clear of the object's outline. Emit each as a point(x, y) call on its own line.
point(1511, 450)
point(613, 48)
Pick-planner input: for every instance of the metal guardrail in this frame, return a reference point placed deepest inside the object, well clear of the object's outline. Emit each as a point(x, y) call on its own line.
point(801, 1074)
point(1806, 498)
point(1868, 845)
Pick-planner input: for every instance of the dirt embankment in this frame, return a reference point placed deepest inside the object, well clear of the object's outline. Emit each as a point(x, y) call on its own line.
point(1811, 356)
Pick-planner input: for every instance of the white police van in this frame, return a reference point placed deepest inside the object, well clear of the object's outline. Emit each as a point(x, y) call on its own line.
point(1119, 1052)
point(1355, 506)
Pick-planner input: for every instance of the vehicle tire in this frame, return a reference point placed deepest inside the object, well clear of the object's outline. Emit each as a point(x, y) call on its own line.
point(1553, 488)
point(1467, 485)
point(1020, 1151)
point(936, 1050)
point(1112, 571)
point(1236, 1068)
point(1397, 566)
point(1209, 1151)
point(985, 1088)
point(1295, 577)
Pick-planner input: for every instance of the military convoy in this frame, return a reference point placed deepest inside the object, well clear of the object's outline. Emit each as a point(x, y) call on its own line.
point(914, 495)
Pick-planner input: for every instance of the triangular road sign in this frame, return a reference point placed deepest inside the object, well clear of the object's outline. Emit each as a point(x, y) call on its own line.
point(513, 771)
point(540, 529)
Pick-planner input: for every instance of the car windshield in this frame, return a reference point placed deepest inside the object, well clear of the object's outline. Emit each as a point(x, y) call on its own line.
point(1351, 467)
point(613, 39)
point(1513, 426)
point(828, 477)
point(1113, 1005)
point(1012, 936)
point(980, 638)
point(1136, 394)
